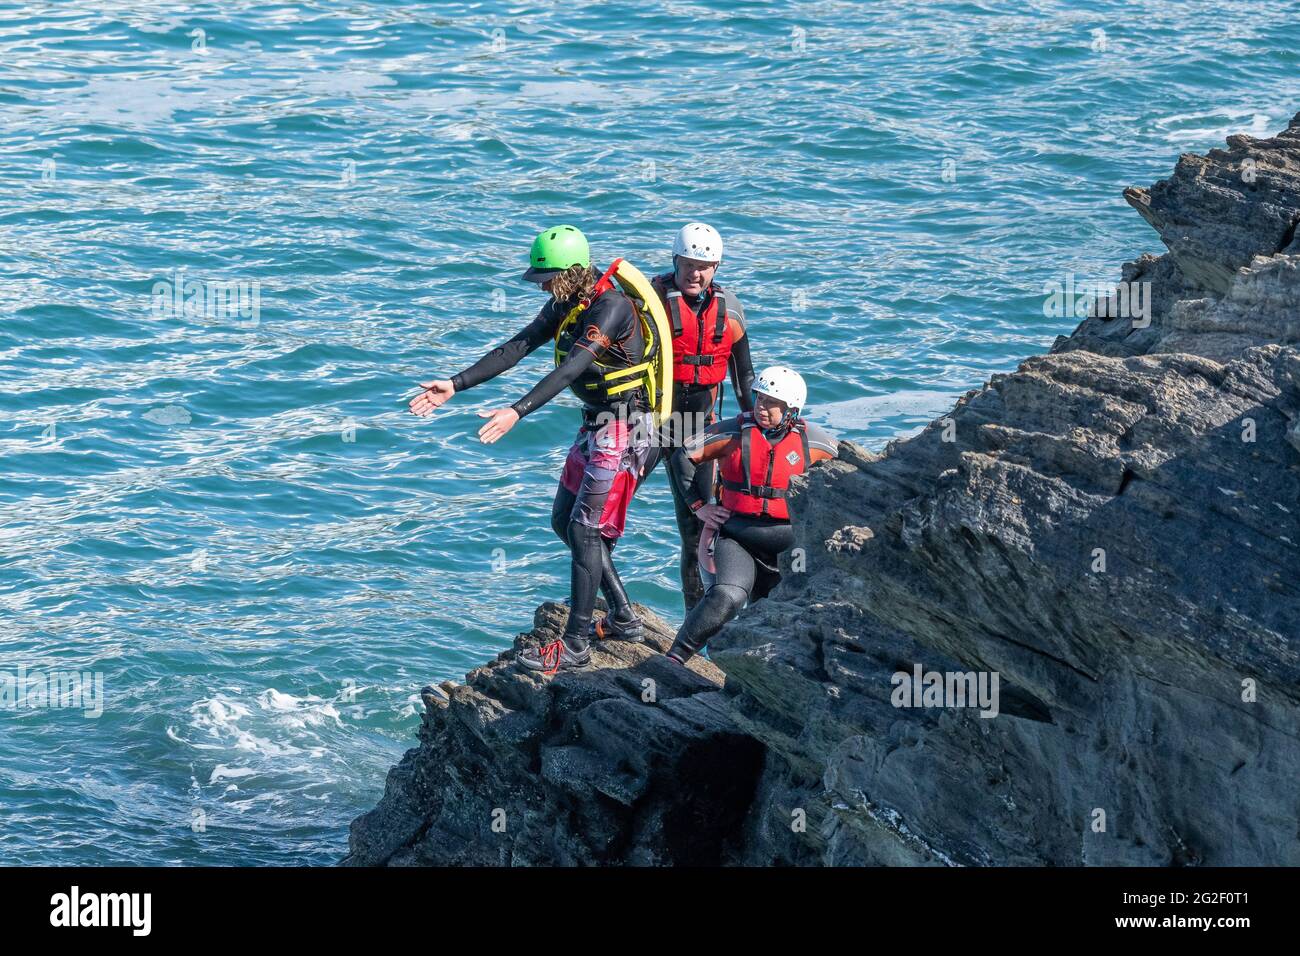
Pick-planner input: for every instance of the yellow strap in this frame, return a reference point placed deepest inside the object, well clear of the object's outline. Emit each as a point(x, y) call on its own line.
point(567, 321)
point(626, 386)
point(624, 372)
point(607, 376)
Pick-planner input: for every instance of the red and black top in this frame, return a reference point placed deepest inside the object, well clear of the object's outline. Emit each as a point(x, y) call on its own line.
point(756, 470)
point(708, 336)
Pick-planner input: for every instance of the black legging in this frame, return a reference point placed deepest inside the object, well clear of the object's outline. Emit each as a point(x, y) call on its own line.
point(592, 568)
point(690, 408)
point(745, 555)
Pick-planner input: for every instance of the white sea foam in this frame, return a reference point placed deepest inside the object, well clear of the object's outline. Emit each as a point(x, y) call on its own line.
point(1199, 128)
point(913, 410)
point(222, 772)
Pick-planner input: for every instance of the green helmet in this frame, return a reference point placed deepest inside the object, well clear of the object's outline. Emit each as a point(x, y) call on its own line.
point(554, 250)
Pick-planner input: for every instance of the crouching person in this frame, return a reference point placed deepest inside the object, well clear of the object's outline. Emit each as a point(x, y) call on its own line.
point(759, 452)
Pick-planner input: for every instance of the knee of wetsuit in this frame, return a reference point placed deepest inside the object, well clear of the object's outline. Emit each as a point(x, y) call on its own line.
point(588, 548)
point(732, 598)
point(719, 605)
point(584, 534)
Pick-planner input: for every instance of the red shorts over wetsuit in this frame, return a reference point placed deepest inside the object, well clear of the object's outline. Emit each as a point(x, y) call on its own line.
point(606, 462)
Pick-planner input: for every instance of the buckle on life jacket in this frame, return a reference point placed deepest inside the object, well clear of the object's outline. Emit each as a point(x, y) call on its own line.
point(697, 359)
point(756, 491)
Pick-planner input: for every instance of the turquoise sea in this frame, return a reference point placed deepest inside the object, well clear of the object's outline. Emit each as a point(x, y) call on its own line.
point(231, 518)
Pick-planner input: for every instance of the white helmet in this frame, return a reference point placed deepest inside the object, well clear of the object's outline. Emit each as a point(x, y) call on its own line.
point(695, 240)
point(783, 384)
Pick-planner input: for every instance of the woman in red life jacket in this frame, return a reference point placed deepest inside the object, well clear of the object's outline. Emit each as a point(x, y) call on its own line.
point(598, 339)
point(759, 452)
point(709, 341)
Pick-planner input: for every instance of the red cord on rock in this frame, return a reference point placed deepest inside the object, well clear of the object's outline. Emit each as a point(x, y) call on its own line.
point(550, 655)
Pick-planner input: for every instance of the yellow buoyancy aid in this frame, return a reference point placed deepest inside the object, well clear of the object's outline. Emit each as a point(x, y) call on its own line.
point(655, 370)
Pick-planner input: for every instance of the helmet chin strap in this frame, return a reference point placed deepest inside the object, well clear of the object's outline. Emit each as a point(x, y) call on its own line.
point(780, 428)
point(785, 424)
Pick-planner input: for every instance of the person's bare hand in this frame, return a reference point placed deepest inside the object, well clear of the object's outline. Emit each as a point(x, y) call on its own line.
point(500, 421)
point(713, 516)
point(435, 393)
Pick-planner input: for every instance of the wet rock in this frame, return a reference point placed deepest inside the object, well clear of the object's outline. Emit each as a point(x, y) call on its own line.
point(636, 760)
point(1112, 530)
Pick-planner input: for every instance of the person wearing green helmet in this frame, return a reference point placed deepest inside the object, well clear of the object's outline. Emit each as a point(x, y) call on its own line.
point(599, 346)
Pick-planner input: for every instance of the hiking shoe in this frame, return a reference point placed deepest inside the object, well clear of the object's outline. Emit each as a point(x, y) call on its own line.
point(554, 657)
point(609, 628)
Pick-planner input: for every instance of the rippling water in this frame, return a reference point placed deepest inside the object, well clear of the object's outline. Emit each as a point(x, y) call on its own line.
point(232, 518)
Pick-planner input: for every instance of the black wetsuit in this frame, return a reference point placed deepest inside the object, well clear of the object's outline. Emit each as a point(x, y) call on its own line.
point(747, 547)
point(745, 555)
point(608, 331)
point(693, 409)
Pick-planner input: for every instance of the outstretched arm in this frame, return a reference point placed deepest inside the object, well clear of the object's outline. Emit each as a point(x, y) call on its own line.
point(502, 358)
point(609, 320)
point(579, 359)
point(606, 322)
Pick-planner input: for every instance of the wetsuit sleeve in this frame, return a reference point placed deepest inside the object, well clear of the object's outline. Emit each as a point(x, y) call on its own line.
point(507, 356)
point(660, 284)
point(821, 445)
point(608, 321)
point(740, 362)
point(715, 441)
point(736, 316)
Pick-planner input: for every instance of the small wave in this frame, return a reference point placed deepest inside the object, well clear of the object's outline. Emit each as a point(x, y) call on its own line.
point(910, 408)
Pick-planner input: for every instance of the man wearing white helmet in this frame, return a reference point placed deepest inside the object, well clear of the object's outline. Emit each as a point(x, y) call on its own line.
point(709, 341)
point(759, 452)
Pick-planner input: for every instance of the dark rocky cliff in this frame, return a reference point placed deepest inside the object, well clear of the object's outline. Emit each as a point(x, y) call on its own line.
point(1113, 528)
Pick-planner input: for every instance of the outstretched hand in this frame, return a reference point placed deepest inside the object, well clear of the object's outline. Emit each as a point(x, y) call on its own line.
point(435, 393)
point(500, 421)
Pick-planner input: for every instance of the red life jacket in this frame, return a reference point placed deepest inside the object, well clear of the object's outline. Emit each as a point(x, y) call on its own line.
point(701, 343)
point(603, 284)
point(756, 475)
